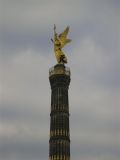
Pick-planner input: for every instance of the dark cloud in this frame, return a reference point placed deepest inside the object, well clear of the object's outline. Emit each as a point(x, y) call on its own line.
point(23, 150)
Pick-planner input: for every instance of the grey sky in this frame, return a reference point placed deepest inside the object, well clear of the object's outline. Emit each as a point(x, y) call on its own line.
point(26, 54)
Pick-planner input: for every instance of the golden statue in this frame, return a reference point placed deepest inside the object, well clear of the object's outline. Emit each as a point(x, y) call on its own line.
point(59, 42)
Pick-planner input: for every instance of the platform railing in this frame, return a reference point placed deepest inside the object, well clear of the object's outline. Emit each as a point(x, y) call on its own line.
point(59, 70)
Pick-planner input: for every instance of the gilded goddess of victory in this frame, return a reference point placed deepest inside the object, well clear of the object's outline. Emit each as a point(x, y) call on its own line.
point(59, 42)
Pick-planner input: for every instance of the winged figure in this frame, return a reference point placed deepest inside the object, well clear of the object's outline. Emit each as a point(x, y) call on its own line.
point(59, 42)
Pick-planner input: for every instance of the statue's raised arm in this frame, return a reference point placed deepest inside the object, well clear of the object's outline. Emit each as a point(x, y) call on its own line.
point(59, 42)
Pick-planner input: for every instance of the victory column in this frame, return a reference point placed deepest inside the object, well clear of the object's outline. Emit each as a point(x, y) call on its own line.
point(59, 77)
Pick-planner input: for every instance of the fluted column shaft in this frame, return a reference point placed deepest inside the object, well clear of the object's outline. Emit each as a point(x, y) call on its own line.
point(59, 144)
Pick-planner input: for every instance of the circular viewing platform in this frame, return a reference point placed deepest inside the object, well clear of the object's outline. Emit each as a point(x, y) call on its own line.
point(59, 69)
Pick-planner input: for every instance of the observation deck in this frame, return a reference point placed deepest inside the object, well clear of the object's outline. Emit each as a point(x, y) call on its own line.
point(59, 69)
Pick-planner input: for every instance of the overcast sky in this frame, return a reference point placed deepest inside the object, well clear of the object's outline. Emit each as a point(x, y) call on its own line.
point(26, 54)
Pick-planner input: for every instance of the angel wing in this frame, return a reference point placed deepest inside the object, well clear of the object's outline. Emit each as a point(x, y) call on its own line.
point(63, 37)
